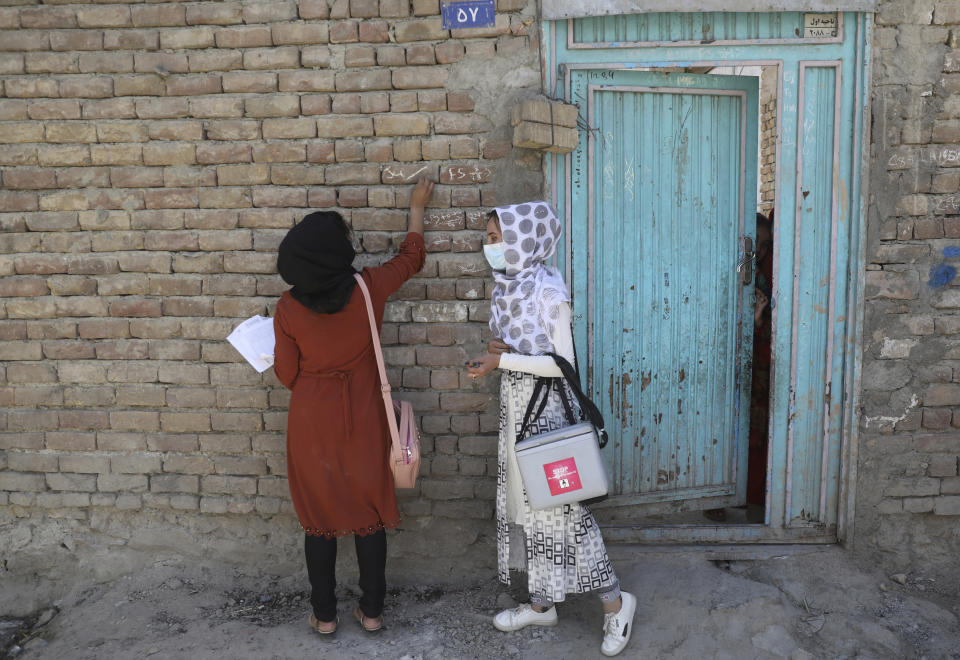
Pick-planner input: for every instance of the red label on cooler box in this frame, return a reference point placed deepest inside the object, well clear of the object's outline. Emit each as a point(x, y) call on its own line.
point(562, 476)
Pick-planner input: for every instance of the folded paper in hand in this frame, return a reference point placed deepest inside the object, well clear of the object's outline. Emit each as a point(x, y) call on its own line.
point(254, 340)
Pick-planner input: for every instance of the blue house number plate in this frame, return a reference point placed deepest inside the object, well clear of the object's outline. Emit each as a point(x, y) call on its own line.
point(467, 14)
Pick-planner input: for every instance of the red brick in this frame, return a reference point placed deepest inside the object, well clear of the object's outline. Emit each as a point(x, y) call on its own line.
point(403, 102)
point(159, 109)
point(48, 17)
point(271, 58)
point(51, 63)
point(76, 40)
point(374, 102)
point(374, 32)
point(14, 110)
point(306, 81)
point(31, 87)
point(269, 12)
point(105, 16)
point(449, 52)
point(286, 175)
point(402, 124)
point(23, 286)
point(320, 152)
point(135, 307)
point(243, 37)
point(391, 56)
point(379, 220)
point(158, 15)
point(224, 198)
point(432, 100)
point(169, 154)
point(421, 54)
point(315, 57)
point(313, 9)
point(214, 153)
point(348, 151)
point(84, 420)
point(361, 81)
point(346, 104)
point(194, 85)
point(109, 109)
point(214, 14)
point(394, 8)
point(279, 153)
point(18, 201)
point(273, 106)
point(214, 60)
point(131, 40)
point(381, 151)
point(359, 56)
point(201, 37)
point(430, 29)
point(187, 306)
point(233, 130)
point(357, 174)
point(459, 102)
point(280, 197)
point(98, 62)
point(29, 178)
point(343, 32)
point(456, 123)
point(338, 127)
point(315, 104)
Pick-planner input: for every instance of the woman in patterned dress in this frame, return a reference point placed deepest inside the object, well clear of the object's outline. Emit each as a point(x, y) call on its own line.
point(530, 316)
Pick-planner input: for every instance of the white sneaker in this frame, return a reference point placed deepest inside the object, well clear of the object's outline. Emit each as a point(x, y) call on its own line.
point(617, 626)
point(523, 616)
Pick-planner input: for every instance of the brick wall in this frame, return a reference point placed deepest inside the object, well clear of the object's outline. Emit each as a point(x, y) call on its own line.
point(909, 491)
point(152, 157)
point(768, 154)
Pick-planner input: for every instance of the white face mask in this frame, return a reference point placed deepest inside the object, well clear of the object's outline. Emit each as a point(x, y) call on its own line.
point(495, 255)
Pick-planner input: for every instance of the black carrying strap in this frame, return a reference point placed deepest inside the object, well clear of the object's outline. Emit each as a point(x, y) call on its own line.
point(528, 416)
point(587, 407)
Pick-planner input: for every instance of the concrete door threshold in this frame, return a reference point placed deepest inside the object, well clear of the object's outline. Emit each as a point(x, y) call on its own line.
point(714, 552)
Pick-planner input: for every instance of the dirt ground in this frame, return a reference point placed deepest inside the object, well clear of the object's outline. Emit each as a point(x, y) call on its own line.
point(811, 604)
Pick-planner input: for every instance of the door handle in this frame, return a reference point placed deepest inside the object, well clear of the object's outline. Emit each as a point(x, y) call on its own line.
point(745, 265)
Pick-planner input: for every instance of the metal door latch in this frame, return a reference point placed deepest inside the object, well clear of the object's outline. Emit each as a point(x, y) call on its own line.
point(745, 265)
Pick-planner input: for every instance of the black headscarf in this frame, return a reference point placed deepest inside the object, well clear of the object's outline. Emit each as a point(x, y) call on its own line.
point(315, 257)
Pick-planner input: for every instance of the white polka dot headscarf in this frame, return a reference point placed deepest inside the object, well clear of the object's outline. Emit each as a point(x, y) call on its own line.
point(525, 303)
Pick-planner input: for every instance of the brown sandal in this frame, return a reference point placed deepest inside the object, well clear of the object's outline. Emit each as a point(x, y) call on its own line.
point(323, 627)
point(369, 624)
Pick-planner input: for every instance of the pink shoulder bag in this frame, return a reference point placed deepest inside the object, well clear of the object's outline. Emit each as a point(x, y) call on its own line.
point(405, 445)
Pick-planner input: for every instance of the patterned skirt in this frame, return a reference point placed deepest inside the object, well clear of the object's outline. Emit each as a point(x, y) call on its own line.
point(564, 547)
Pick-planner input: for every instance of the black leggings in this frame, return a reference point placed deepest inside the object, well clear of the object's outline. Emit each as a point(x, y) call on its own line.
point(321, 553)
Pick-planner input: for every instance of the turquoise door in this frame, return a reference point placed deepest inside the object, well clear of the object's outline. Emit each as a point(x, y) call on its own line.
point(663, 188)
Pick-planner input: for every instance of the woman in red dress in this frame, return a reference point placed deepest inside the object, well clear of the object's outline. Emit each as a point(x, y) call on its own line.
point(337, 436)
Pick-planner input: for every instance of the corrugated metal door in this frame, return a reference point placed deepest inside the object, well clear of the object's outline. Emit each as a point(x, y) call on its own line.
point(667, 182)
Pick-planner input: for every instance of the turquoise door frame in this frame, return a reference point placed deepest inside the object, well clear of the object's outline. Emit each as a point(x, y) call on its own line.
point(822, 119)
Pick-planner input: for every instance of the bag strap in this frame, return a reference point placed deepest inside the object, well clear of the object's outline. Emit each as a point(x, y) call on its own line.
point(528, 416)
point(567, 408)
point(588, 407)
point(545, 384)
point(384, 383)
